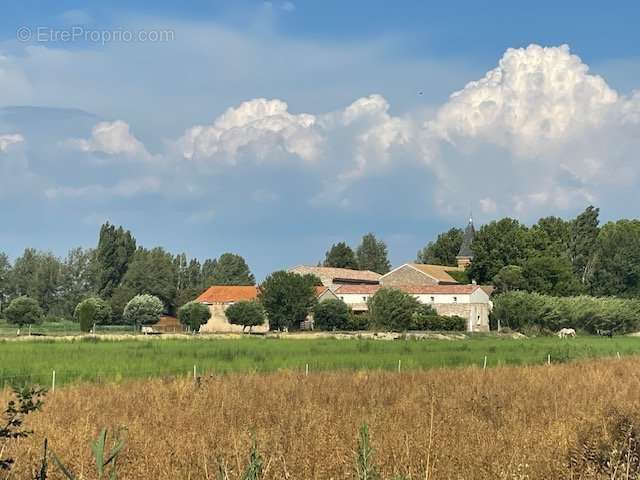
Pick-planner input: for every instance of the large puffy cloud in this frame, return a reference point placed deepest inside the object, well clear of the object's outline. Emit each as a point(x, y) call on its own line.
point(537, 134)
point(257, 127)
point(111, 138)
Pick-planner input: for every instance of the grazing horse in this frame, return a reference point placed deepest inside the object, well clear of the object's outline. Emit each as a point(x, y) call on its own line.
point(567, 332)
point(605, 333)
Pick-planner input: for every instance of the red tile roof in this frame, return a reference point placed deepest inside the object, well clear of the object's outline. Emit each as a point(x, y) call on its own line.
point(228, 293)
point(412, 289)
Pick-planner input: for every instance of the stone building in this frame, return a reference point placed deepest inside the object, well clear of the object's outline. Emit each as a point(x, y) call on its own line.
point(333, 277)
point(467, 301)
point(218, 298)
point(420, 274)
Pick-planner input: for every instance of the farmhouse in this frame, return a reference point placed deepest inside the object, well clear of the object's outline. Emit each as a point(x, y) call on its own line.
point(218, 298)
point(333, 277)
point(467, 301)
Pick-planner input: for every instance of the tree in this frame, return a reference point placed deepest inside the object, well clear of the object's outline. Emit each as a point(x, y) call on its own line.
point(496, 245)
point(509, 278)
point(444, 250)
point(616, 262)
point(340, 255)
point(37, 275)
point(193, 315)
point(153, 272)
point(119, 299)
point(208, 272)
point(584, 235)
point(332, 314)
point(371, 254)
point(247, 313)
point(77, 279)
point(550, 274)
point(5, 280)
point(287, 299)
point(392, 309)
point(116, 248)
point(551, 235)
point(92, 311)
point(143, 310)
point(23, 311)
point(232, 269)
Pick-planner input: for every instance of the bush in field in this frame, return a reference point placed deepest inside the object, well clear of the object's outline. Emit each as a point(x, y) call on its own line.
point(193, 314)
point(143, 310)
point(92, 311)
point(331, 314)
point(23, 311)
point(392, 309)
point(359, 321)
point(426, 318)
point(248, 313)
point(520, 310)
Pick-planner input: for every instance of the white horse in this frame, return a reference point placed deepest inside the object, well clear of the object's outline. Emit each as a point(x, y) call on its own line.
point(567, 332)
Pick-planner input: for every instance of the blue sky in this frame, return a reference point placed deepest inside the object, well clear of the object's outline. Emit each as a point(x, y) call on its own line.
point(273, 129)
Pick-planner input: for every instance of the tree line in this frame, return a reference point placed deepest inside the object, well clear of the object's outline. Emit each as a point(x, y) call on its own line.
point(553, 257)
point(116, 271)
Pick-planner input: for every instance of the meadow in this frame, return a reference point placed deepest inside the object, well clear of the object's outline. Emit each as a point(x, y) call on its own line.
point(578, 420)
point(97, 359)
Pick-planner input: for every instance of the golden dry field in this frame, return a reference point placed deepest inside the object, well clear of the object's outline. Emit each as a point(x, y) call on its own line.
point(542, 422)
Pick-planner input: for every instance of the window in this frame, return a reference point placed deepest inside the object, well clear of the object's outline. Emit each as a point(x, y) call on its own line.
point(433, 299)
point(455, 299)
point(342, 298)
point(364, 299)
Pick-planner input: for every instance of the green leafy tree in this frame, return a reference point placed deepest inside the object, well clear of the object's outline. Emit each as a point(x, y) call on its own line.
point(37, 275)
point(371, 254)
point(77, 279)
point(496, 245)
point(193, 315)
point(392, 309)
point(23, 311)
point(116, 248)
point(509, 278)
point(232, 269)
point(616, 264)
point(247, 313)
point(93, 310)
point(208, 272)
point(287, 298)
point(5, 281)
point(584, 235)
point(332, 314)
point(550, 274)
point(118, 301)
point(143, 310)
point(340, 255)
point(444, 250)
point(153, 272)
point(551, 235)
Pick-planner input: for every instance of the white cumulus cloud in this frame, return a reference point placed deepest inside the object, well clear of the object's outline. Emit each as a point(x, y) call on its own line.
point(111, 138)
point(8, 140)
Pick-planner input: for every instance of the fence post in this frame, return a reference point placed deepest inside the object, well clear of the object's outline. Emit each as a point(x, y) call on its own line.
point(549, 359)
point(195, 375)
point(306, 370)
point(399, 365)
point(484, 366)
point(53, 381)
point(618, 354)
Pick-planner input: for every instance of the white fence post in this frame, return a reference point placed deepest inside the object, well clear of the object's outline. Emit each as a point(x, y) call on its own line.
point(306, 370)
point(618, 354)
point(549, 359)
point(53, 382)
point(399, 365)
point(484, 366)
point(195, 375)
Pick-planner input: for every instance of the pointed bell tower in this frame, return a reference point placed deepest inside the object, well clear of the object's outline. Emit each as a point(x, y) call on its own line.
point(465, 255)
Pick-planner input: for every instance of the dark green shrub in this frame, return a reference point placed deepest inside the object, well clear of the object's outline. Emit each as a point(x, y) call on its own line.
point(194, 314)
point(331, 315)
point(23, 311)
point(92, 311)
point(248, 313)
point(426, 318)
point(392, 309)
point(359, 321)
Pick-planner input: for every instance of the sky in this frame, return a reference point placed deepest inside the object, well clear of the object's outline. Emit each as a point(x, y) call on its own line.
point(274, 129)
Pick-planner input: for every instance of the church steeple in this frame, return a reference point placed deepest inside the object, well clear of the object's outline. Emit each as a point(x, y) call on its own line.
point(465, 255)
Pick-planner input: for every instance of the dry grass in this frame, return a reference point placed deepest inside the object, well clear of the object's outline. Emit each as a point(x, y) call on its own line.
point(503, 423)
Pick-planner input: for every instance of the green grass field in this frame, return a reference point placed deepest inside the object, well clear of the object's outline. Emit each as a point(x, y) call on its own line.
point(61, 328)
point(114, 360)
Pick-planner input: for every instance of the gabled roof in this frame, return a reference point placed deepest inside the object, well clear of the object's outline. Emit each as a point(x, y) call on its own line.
point(436, 272)
point(228, 293)
point(467, 239)
point(347, 274)
point(411, 289)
